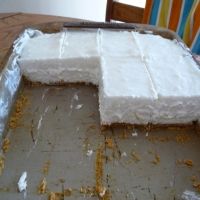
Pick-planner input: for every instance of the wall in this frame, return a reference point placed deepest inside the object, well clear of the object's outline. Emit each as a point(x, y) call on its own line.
point(85, 9)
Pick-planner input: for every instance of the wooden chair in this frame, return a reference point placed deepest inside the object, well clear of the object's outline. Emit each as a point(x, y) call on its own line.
point(181, 17)
point(123, 12)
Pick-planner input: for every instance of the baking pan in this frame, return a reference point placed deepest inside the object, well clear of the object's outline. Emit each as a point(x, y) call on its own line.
point(53, 133)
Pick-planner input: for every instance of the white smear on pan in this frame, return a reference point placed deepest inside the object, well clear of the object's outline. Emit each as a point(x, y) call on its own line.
point(46, 110)
point(124, 154)
point(22, 183)
point(89, 152)
point(79, 106)
point(190, 195)
point(76, 97)
point(39, 123)
point(134, 134)
point(44, 93)
point(41, 118)
point(38, 131)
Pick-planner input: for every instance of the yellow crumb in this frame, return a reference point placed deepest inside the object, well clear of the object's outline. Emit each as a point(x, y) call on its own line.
point(6, 145)
point(197, 186)
point(88, 190)
point(159, 138)
point(99, 169)
point(56, 196)
point(182, 138)
point(1, 164)
point(156, 159)
point(109, 143)
point(189, 163)
point(46, 168)
point(42, 188)
point(195, 183)
point(135, 156)
point(52, 196)
point(18, 112)
point(68, 192)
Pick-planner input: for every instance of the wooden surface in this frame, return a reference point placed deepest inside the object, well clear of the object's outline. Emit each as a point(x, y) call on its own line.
point(12, 24)
point(123, 12)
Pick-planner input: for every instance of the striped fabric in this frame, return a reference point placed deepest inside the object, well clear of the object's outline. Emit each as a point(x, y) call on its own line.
point(181, 16)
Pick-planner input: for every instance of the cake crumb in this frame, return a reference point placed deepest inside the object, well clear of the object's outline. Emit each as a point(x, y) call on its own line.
point(6, 145)
point(135, 156)
point(18, 112)
point(56, 196)
point(52, 196)
point(42, 188)
point(195, 183)
point(155, 139)
point(88, 190)
point(109, 143)
point(188, 162)
point(99, 170)
point(46, 166)
point(68, 192)
point(182, 138)
point(100, 190)
point(156, 160)
point(2, 159)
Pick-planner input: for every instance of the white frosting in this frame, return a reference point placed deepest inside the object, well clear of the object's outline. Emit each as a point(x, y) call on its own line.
point(175, 77)
point(82, 44)
point(69, 57)
point(128, 92)
point(142, 77)
point(158, 47)
point(118, 43)
point(46, 46)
